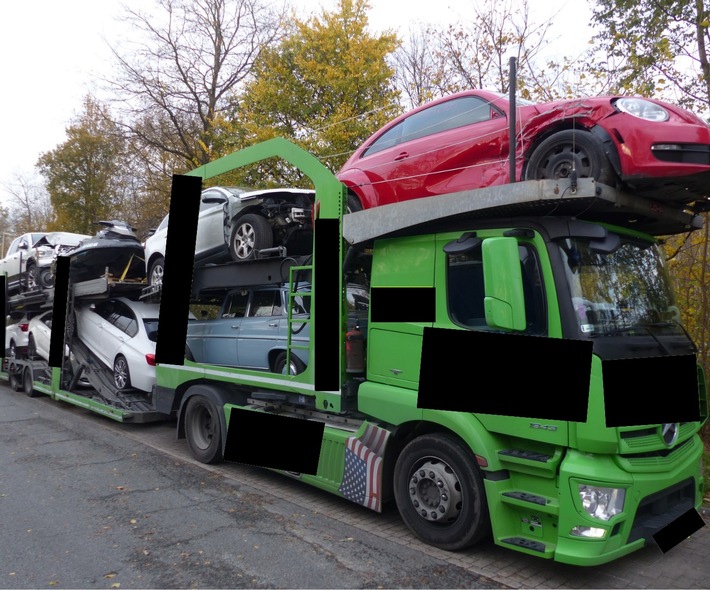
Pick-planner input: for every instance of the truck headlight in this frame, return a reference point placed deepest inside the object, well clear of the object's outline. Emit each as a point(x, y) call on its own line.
point(602, 503)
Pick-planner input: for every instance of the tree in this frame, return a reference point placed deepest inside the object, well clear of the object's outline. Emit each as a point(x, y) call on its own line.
point(659, 48)
point(475, 54)
point(86, 175)
point(173, 82)
point(29, 210)
point(655, 48)
point(326, 86)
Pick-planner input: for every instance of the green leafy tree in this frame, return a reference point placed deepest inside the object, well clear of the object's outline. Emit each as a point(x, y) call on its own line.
point(326, 86)
point(85, 175)
point(655, 48)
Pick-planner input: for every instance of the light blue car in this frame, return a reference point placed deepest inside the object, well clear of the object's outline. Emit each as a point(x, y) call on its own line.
point(251, 329)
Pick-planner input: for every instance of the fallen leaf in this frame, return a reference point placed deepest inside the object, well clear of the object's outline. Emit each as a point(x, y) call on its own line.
point(115, 585)
point(111, 575)
point(133, 521)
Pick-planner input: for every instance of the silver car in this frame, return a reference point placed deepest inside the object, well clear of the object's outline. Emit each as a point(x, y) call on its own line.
point(240, 224)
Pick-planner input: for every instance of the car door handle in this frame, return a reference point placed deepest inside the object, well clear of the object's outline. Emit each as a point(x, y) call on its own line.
point(235, 327)
point(402, 156)
point(273, 325)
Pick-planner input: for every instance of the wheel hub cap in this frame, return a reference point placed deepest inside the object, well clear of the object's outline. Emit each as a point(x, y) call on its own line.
point(435, 491)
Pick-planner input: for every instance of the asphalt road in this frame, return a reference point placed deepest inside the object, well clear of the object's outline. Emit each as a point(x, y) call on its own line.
point(89, 503)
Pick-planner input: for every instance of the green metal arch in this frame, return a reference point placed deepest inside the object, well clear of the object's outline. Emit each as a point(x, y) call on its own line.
point(330, 192)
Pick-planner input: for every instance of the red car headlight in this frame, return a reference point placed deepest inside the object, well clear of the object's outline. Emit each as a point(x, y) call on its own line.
point(643, 109)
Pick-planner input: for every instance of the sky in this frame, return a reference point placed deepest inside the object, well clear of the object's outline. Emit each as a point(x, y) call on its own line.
point(49, 67)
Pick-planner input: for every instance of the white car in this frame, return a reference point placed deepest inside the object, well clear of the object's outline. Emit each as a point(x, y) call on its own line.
point(39, 335)
point(28, 263)
point(16, 334)
point(122, 333)
point(236, 223)
point(39, 339)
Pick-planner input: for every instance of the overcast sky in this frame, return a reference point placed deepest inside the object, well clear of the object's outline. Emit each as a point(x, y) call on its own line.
point(52, 51)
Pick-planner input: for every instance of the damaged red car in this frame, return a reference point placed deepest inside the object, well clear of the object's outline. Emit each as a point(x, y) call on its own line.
point(461, 142)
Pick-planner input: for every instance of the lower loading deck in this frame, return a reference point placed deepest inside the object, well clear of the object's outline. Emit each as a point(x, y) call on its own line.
point(98, 395)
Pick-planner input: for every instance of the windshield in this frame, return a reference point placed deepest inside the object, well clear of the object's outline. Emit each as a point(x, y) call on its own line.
point(624, 292)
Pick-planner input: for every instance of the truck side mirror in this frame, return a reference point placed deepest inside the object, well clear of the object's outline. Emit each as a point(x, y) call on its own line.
point(504, 301)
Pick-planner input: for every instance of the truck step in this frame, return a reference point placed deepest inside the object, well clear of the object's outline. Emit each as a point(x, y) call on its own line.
point(526, 497)
point(530, 501)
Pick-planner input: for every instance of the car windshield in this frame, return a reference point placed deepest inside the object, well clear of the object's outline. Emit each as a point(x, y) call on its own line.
point(623, 292)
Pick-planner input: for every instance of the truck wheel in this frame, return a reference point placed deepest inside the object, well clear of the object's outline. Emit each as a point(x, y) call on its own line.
point(250, 233)
point(296, 365)
point(556, 155)
point(439, 492)
point(203, 430)
point(27, 383)
point(31, 347)
point(14, 380)
point(155, 274)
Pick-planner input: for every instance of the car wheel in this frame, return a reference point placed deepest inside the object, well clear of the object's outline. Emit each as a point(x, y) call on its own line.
point(155, 274)
point(46, 278)
point(439, 492)
point(353, 204)
point(295, 365)
point(121, 375)
point(31, 347)
point(31, 277)
point(564, 151)
point(203, 430)
point(250, 234)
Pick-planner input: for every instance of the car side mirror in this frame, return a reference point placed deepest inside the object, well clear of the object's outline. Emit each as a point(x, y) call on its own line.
point(215, 199)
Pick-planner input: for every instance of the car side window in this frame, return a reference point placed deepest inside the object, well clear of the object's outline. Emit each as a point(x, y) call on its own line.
point(450, 114)
point(466, 290)
point(235, 305)
point(389, 138)
point(124, 319)
point(263, 304)
point(14, 246)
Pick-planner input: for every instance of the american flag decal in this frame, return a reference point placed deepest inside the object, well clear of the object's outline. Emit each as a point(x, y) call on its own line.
point(362, 478)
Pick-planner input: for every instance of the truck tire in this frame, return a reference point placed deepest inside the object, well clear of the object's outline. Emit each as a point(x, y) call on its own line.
point(14, 379)
point(554, 157)
point(250, 233)
point(27, 383)
point(439, 492)
point(203, 430)
point(296, 365)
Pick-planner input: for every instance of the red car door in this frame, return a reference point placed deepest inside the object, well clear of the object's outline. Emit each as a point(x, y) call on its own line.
point(451, 146)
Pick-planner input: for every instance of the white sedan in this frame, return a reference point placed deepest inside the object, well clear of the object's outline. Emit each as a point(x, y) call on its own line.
point(122, 334)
